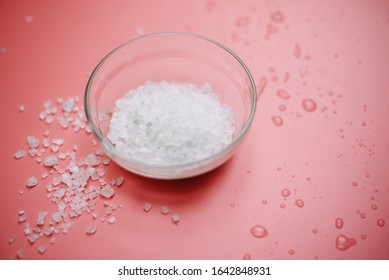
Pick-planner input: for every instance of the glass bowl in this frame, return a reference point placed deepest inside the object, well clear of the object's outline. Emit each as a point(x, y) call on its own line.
point(174, 57)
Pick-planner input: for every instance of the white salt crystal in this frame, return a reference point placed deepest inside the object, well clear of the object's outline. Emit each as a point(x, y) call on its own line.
point(44, 175)
point(11, 240)
point(32, 141)
point(112, 220)
point(51, 161)
point(22, 219)
point(31, 182)
point(62, 156)
point(39, 160)
point(54, 148)
point(49, 231)
point(46, 133)
point(58, 142)
point(32, 239)
point(27, 230)
point(119, 181)
point(46, 143)
point(176, 218)
point(164, 210)
point(140, 31)
point(60, 100)
point(21, 192)
point(20, 154)
point(170, 123)
point(20, 254)
point(57, 217)
point(21, 212)
point(42, 249)
point(22, 108)
point(108, 211)
point(95, 215)
point(147, 207)
point(106, 161)
point(53, 241)
point(49, 119)
point(91, 230)
point(68, 106)
point(42, 115)
point(107, 191)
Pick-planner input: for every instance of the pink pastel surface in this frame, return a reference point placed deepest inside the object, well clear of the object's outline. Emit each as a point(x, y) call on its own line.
point(333, 52)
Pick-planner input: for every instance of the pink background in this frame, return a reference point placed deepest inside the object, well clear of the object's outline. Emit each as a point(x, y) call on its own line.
point(334, 52)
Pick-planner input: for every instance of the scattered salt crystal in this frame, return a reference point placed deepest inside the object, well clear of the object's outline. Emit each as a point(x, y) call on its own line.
point(147, 207)
point(51, 161)
point(108, 211)
point(106, 161)
point(46, 143)
point(21, 192)
point(91, 230)
point(42, 249)
point(42, 115)
point(107, 191)
point(32, 141)
point(20, 254)
point(39, 160)
point(60, 100)
point(62, 156)
point(22, 219)
point(28, 19)
point(140, 31)
point(37, 230)
point(112, 220)
point(20, 154)
point(95, 215)
point(94, 142)
point(58, 142)
point(32, 239)
point(164, 210)
point(57, 217)
point(44, 175)
point(11, 240)
point(119, 181)
point(21, 212)
point(54, 148)
point(176, 218)
point(74, 169)
point(75, 148)
point(31, 182)
point(48, 231)
point(27, 230)
point(68, 106)
point(106, 203)
point(46, 133)
point(22, 108)
point(49, 119)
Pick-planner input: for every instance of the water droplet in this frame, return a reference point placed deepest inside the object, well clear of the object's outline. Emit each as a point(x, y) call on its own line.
point(343, 242)
point(236, 38)
point(264, 201)
point(232, 205)
point(363, 215)
point(358, 212)
point(363, 236)
point(309, 105)
point(277, 120)
point(309, 179)
point(279, 169)
point(355, 183)
point(277, 17)
point(380, 222)
point(282, 205)
point(242, 21)
point(364, 123)
point(247, 256)
point(285, 192)
point(372, 197)
point(282, 108)
point(261, 85)
point(374, 207)
point(314, 230)
point(339, 223)
point(258, 231)
point(281, 93)
point(291, 252)
point(299, 203)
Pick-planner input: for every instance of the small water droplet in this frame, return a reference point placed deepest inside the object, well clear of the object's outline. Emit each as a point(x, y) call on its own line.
point(242, 21)
point(277, 17)
point(232, 205)
point(285, 192)
point(309, 179)
point(374, 207)
point(380, 222)
point(277, 120)
point(281, 93)
point(309, 105)
point(264, 201)
point(372, 197)
point(343, 242)
point(282, 108)
point(364, 123)
point(314, 230)
point(235, 38)
point(258, 231)
point(282, 205)
point(279, 169)
point(339, 223)
point(363, 215)
point(358, 212)
point(299, 203)
point(247, 256)
point(261, 85)
point(291, 252)
point(363, 236)
point(355, 183)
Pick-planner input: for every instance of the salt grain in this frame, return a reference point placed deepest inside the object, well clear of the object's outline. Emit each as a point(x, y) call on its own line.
point(32, 141)
point(42, 249)
point(20, 154)
point(176, 218)
point(107, 192)
point(31, 182)
point(112, 220)
point(21, 212)
point(22, 108)
point(119, 181)
point(50, 161)
point(170, 123)
point(91, 230)
point(22, 219)
point(20, 254)
point(11, 240)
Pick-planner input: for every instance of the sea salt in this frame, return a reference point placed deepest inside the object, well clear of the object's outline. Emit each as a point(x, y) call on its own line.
point(165, 210)
point(51, 161)
point(176, 218)
point(20, 154)
point(32, 141)
point(107, 191)
point(22, 108)
point(170, 123)
point(147, 207)
point(112, 220)
point(91, 230)
point(31, 182)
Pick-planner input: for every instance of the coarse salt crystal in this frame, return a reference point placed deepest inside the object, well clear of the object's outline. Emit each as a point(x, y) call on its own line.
point(58, 142)
point(176, 218)
point(21, 212)
point(68, 106)
point(32, 141)
point(27, 231)
point(20, 154)
point(53, 241)
point(20, 254)
point(31, 182)
point(147, 207)
point(44, 175)
point(22, 108)
point(22, 219)
point(106, 161)
point(107, 191)
point(42, 249)
point(49, 119)
point(11, 240)
point(119, 181)
point(111, 220)
point(91, 230)
point(46, 133)
point(50, 161)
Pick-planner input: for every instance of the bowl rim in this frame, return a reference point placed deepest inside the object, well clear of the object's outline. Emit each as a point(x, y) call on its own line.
point(112, 148)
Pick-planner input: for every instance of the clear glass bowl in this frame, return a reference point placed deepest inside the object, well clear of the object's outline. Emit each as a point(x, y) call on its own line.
point(175, 57)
